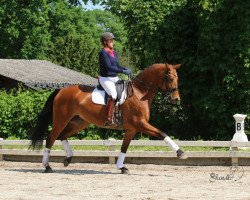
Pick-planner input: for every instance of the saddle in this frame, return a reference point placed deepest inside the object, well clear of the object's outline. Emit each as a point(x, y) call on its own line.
point(124, 90)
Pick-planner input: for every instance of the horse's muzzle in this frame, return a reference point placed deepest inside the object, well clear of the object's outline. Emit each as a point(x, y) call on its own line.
point(176, 96)
point(172, 101)
point(173, 97)
point(176, 101)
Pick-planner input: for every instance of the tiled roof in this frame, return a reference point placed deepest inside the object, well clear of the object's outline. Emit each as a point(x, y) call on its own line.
point(43, 74)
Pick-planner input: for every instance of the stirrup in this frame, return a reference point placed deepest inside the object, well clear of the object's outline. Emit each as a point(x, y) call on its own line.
point(110, 123)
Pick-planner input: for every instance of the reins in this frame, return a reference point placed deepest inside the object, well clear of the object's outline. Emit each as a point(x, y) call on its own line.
point(145, 85)
point(169, 92)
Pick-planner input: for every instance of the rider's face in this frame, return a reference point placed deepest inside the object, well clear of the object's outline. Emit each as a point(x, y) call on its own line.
point(110, 43)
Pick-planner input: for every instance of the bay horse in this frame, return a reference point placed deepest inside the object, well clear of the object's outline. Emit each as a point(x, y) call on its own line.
point(72, 110)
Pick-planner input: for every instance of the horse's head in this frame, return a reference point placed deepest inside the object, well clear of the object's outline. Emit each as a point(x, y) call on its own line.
point(163, 76)
point(170, 83)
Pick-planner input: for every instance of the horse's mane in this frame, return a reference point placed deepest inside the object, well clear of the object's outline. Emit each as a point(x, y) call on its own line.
point(150, 69)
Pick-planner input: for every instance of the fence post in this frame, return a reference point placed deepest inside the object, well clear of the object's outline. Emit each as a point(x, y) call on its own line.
point(239, 135)
point(233, 153)
point(1, 147)
point(111, 146)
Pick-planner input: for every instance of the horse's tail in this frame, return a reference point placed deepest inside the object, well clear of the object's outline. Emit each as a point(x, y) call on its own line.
point(42, 123)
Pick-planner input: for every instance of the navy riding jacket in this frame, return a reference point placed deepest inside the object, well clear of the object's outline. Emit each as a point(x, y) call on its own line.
point(109, 66)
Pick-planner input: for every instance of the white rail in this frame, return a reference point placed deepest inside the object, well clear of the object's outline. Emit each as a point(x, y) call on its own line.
point(233, 146)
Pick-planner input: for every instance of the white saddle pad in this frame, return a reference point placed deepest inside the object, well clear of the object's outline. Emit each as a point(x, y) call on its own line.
point(99, 95)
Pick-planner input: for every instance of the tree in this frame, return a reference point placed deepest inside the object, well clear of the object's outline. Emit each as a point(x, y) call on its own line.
point(59, 30)
point(24, 29)
point(211, 39)
point(76, 36)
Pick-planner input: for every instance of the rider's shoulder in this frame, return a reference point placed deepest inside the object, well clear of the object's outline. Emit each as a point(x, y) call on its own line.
point(102, 52)
point(115, 53)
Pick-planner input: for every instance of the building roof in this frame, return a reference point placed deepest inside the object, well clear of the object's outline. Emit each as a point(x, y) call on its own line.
point(43, 74)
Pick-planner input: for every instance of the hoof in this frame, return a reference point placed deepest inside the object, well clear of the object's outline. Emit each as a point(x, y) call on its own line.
point(181, 154)
point(67, 161)
point(48, 169)
point(124, 170)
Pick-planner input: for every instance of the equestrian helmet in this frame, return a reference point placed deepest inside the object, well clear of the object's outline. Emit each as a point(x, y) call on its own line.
point(107, 36)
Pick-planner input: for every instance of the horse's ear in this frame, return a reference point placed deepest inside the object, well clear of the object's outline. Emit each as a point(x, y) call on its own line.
point(168, 67)
point(177, 66)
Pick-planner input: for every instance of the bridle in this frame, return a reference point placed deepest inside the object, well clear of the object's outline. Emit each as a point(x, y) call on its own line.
point(168, 92)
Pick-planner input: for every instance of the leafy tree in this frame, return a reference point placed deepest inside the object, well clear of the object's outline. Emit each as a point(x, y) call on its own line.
point(222, 64)
point(211, 39)
point(76, 36)
point(24, 29)
point(60, 31)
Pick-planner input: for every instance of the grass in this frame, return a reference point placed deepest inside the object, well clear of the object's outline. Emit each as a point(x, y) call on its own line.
point(131, 148)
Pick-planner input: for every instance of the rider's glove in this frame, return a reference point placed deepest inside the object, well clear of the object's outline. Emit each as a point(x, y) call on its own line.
point(127, 72)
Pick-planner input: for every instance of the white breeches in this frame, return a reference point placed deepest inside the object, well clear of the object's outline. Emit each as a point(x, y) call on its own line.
point(108, 83)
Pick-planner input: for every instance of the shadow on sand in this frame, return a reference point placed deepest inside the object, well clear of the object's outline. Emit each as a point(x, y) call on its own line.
point(62, 171)
point(81, 172)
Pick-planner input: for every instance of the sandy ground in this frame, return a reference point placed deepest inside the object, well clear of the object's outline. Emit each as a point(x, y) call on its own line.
point(26, 181)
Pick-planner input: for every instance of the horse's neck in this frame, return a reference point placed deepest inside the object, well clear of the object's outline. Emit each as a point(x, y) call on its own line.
point(148, 96)
point(146, 87)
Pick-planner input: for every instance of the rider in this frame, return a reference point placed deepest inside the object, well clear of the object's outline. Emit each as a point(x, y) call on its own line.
point(109, 69)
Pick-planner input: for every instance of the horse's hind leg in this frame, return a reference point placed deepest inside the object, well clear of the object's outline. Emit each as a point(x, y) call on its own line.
point(74, 126)
point(49, 143)
point(59, 123)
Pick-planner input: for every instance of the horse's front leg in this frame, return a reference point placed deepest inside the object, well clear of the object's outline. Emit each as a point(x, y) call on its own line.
point(126, 141)
point(145, 127)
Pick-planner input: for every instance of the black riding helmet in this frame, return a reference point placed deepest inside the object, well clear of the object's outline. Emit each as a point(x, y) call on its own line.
point(107, 36)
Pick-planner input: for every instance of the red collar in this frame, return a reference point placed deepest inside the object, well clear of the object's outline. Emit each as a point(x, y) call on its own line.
point(110, 51)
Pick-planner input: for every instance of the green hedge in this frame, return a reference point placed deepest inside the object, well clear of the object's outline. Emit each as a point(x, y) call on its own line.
point(19, 109)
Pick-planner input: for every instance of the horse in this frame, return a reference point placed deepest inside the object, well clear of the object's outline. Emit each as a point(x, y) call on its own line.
point(72, 110)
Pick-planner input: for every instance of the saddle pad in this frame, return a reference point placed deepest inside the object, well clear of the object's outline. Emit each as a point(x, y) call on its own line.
point(98, 97)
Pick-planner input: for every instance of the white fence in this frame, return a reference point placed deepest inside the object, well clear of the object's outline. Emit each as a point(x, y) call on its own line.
point(234, 154)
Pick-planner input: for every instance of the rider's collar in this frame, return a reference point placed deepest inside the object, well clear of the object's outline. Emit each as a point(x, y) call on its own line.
point(110, 51)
